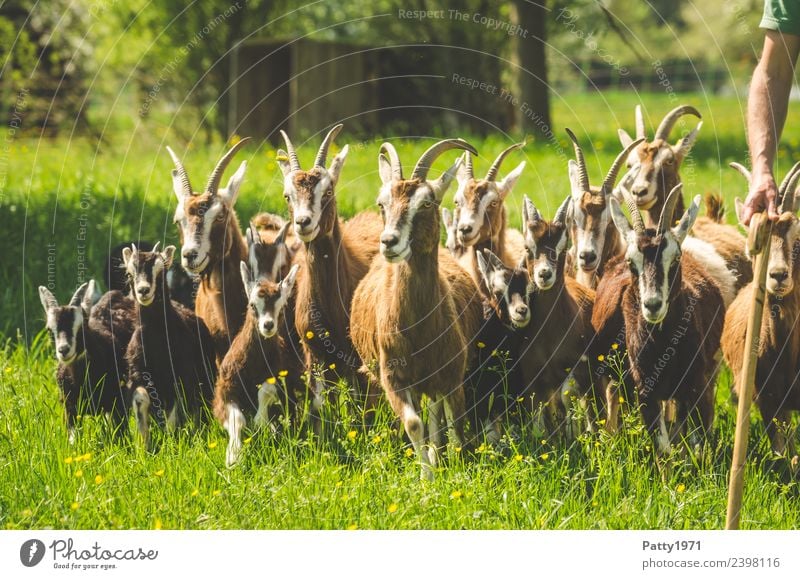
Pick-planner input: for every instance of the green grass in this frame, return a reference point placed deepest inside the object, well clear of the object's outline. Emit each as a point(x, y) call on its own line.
point(122, 187)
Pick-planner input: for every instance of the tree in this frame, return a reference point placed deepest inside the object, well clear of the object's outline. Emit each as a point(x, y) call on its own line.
point(531, 67)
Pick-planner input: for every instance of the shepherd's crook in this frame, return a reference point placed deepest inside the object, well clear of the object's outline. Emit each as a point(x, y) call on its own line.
point(758, 241)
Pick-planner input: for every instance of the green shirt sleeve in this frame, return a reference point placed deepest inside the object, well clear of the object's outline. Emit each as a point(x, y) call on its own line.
point(782, 16)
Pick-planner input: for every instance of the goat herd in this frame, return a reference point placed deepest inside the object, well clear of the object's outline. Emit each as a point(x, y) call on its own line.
point(293, 306)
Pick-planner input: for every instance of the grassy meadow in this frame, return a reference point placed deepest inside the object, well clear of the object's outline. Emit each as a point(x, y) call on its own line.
point(67, 201)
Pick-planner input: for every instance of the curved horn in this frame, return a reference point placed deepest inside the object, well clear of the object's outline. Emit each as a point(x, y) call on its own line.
point(492, 174)
point(742, 169)
point(468, 165)
point(394, 160)
point(294, 164)
point(184, 176)
point(561, 213)
point(611, 177)
point(216, 174)
point(630, 203)
point(428, 157)
point(668, 211)
point(663, 130)
point(640, 134)
point(582, 174)
point(786, 190)
point(322, 154)
point(155, 247)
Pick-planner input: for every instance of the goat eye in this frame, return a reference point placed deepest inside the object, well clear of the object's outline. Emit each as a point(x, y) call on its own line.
point(494, 203)
point(427, 204)
point(329, 192)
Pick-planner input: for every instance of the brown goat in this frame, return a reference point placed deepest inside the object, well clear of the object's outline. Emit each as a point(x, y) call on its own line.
point(257, 373)
point(658, 164)
point(594, 241)
point(553, 355)
point(416, 312)
point(213, 247)
point(673, 316)
point(337, 255)
point(480, 215)
point(271, 252)
point(777, 385)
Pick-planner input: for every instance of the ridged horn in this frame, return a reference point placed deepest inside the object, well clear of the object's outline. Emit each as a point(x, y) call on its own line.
point(787, 188)
point(394, 160)
point(663, 130)
point(468, 165)
point(668, 211)
point(611, 177)
point(491, 175)
point(428, 157)
point(322, 154)
point(182, 174)
point(216, 174)
point(633, 209)
point(294, 164)
point(583, 176)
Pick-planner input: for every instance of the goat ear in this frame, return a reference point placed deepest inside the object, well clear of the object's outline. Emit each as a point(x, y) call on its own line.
point(247, 279)
point(384, 168)
point(447, 218)
point(530, 215)
point(251, 234)
point(167, 255)
point(287, 284)
point(682, 147)
point(681, 230)
point(283, 161)
point(127, 254)
point(231, 192)
point(280, 239)
point(440, 185)
point(47, 298)
point(620, 221)
point(90, 297)
point(574, 180)
point(485, 270)
point(505, 186)
point(624, 138)
point(77, 297)
point(336, 165)
point(495, 262)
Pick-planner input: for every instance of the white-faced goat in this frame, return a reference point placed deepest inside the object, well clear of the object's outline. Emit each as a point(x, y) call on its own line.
point(337, 256)
point(553, 355)
point(270, 253)
point(170, 357)
point(658, 163)
point(594, 240)
point(213, 246)
point(254, 377)
point(417, 312)
point(480, 214)
point(777, 383)
point(91, 365)
point(673, 316)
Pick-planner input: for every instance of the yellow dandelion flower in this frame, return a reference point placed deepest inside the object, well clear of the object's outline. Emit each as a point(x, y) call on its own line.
point(27, 512)
point(98, 480)
point(518, 458)
point(195, 492)
point(614, 346)
point(622, 400)
point(87, 456)
point(521, 399)
point(680, 488)
point(234, 139)
point(545, 456)
point(455, 495)
point(9, 369)
point(392, 508)
point(212, 444)
point(352, 527)
point(309, 335)
point(600, 358)
point(159, 472)
point(157, 525)
point(68, 460)
point(594, 503)
point(78, 473)
point(566, 391)
point(601, 421)
point(338, 484)
point(351, 436)
point(481, 345)
point(332, 366)
point(544, 441)
point(75, 506)
point(457, 449)
point(495, 353)
point(376, 439)
point(216, 492)
point(409, 452)
point(271, 380)
point(283, 373)
point(248, 440)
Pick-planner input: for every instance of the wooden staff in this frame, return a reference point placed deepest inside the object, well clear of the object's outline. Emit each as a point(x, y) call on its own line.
point(758, 241)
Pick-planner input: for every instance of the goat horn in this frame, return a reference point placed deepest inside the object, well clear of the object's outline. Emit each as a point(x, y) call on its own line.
point(184, 176)
point(394, 160)
point(294, 164)
point(613, 172)
point(742, 169)
point(633, 209)
point(663, 130)
point(322, 154)
point(468, 165)
point(787, 189)
point(640, 134)
point(492, 174)
point(583, 176)
point(668, 211)
point(561, 212)
point(216, 174)
point(155, 247)
point(420, 171)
